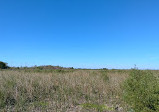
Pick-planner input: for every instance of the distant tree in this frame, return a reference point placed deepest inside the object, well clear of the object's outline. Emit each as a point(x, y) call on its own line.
point(3, 65)
point(71, 68)
point(105, 68)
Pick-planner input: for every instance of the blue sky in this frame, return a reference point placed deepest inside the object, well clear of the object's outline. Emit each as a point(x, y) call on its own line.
point(80, 33)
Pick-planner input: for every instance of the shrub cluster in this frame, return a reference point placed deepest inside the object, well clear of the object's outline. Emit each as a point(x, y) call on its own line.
point(3, 65)
point(141, 91)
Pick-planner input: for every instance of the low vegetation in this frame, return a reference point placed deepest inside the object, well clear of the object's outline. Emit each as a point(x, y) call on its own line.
point(71, 90)
point(141, 91)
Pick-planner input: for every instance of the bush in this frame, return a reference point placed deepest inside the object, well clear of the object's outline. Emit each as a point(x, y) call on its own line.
point(141, 91)
point(3, 65)
point(105, 68)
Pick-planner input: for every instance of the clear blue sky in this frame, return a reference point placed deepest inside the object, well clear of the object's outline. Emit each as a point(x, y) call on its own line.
point(80, 33)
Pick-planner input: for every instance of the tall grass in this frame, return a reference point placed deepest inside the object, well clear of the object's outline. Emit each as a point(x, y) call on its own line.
point(78, 90)
point(58, 90)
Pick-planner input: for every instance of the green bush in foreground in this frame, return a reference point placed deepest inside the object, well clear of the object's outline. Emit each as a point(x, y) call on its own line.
point(141, 91)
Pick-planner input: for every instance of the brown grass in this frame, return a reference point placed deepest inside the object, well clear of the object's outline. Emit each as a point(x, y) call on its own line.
point(60, 92)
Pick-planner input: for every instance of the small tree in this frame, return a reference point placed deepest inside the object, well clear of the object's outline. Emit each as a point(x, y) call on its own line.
point(105, 68)
point(3, 65)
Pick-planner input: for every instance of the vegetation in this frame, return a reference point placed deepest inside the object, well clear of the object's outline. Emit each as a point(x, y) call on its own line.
point(66, 90)
point(141, 91)
point(3, 65)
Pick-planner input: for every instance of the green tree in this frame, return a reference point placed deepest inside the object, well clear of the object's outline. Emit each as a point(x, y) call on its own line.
point(3, 65)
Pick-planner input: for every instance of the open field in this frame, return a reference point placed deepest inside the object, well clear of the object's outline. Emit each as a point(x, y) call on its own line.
point(65, 90)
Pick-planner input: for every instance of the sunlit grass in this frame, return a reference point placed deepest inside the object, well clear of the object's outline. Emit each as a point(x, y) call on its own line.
point(62, 91)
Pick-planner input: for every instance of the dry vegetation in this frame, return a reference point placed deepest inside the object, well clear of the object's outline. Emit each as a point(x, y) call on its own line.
point(62, 91)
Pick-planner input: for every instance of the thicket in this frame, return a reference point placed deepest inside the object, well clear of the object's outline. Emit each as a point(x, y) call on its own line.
point(141, 91)
point(3, 65)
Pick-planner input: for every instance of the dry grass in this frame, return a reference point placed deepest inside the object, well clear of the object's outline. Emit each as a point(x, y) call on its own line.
point(60, 91)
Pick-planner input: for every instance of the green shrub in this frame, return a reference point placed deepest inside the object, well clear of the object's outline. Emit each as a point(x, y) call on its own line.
point(141, 91)
point(105, 68)
point(3, 65)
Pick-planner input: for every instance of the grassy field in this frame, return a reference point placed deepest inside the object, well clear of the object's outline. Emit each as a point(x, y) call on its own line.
point(70, 90)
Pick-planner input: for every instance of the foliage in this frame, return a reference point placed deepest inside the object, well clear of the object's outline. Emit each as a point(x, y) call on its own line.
point(141, 91)
point(3, 65)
